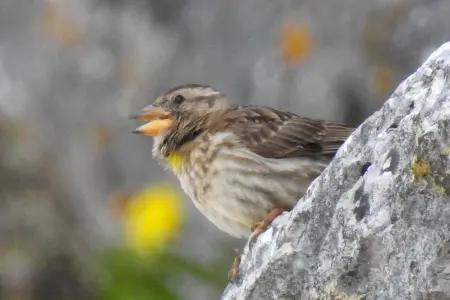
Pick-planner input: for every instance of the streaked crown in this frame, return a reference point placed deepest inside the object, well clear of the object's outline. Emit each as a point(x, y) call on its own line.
point(191, 97)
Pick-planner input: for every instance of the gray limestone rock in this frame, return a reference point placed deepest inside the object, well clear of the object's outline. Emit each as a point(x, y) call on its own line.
point(376, 223)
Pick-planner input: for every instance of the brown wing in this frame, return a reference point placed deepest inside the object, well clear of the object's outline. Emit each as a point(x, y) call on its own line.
point(277, 134)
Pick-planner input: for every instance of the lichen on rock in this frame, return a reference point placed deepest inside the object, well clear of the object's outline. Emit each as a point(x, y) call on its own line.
point(376, 223)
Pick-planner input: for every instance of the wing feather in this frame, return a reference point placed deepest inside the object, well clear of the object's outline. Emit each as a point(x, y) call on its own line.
point(277, 134)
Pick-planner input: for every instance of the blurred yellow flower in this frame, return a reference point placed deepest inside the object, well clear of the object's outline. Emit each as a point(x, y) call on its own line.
point(152, 218)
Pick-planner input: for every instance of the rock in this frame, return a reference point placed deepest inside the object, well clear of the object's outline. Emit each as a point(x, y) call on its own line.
point(376, 223)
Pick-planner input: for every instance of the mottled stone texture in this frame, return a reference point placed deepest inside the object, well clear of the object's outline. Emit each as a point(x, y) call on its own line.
point(376, 223)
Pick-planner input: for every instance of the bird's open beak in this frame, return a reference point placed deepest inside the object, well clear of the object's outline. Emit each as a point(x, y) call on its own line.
point(158, 117)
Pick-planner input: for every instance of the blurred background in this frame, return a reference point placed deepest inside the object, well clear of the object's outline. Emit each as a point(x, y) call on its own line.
point(85, 213)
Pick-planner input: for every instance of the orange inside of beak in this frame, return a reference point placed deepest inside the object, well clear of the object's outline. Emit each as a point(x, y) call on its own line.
point(153, 128)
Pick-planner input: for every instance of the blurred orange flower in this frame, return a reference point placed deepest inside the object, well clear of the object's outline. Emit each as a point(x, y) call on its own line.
point(296, 43)
point(383, 80)
point(57, 26)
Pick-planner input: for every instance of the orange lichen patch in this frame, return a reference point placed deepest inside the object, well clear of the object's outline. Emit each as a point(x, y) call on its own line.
point(383, 79)
point(296, 43)
point(419, 168)
point(58, 27)
point(439, 188)
point(153, 128)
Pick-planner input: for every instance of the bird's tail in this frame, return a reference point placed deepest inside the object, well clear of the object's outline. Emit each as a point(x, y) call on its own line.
point(337, 134)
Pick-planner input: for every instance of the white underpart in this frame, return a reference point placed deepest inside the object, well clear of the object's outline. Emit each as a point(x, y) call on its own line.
point(234, 201)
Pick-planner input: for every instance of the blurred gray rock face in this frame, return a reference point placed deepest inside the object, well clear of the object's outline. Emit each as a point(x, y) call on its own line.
point(376, 223)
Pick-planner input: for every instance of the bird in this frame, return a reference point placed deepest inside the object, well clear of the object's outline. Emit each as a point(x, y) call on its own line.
point(241, 165)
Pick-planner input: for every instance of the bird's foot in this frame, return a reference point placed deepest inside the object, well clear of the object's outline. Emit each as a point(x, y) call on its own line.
point(257, 229)
point(260, 226)
point(232, 274)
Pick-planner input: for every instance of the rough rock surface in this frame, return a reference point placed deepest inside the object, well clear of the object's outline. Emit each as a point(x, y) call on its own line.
point(376, 223)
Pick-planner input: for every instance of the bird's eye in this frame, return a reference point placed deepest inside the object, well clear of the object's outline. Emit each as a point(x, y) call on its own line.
point(178, 99)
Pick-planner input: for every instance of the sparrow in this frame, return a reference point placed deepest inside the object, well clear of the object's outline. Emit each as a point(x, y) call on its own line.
point(242, 166)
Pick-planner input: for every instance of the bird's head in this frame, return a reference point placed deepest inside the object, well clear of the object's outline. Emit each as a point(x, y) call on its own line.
point(182, 102)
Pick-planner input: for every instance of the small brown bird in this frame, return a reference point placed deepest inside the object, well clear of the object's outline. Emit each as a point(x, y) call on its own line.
point(242, 166)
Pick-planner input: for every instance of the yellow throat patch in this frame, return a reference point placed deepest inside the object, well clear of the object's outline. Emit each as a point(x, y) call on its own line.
point(175, 160)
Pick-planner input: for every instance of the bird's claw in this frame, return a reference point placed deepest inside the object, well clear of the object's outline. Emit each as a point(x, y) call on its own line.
point(257, 229)
point(232, 274)
point(260, 226)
